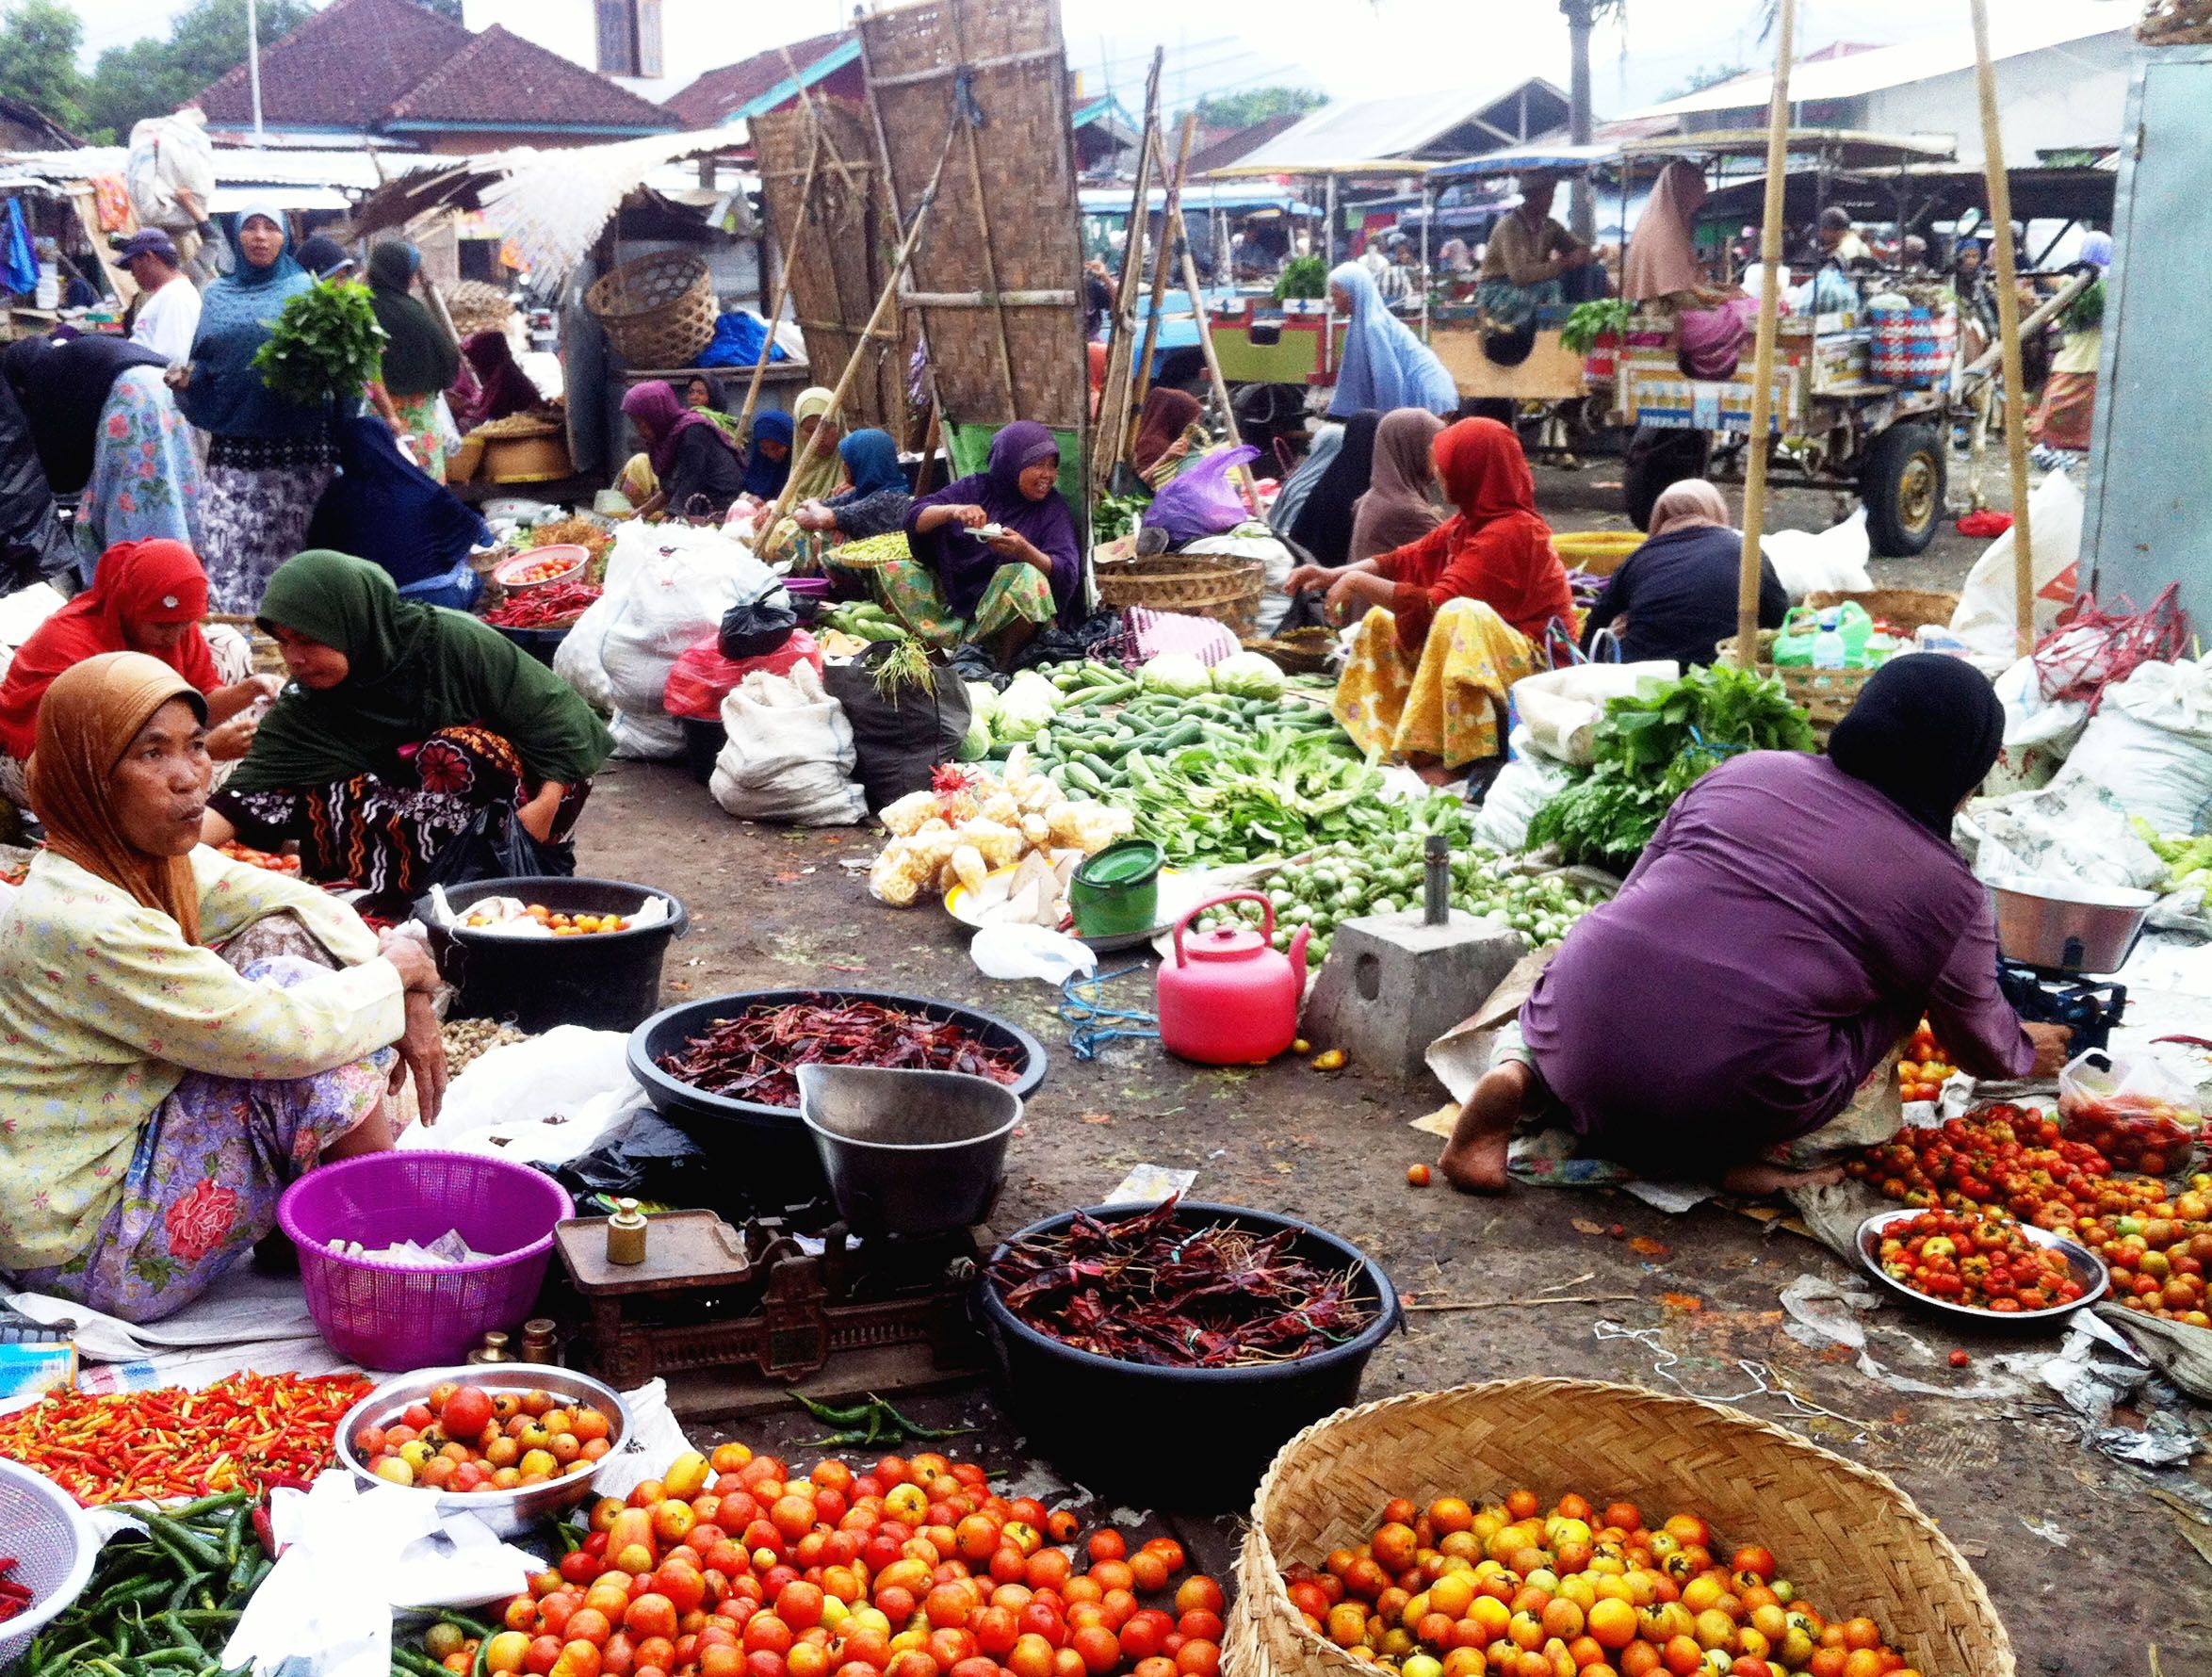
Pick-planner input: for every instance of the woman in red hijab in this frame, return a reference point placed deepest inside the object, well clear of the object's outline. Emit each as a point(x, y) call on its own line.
point(1454, 619)
point(146, 596)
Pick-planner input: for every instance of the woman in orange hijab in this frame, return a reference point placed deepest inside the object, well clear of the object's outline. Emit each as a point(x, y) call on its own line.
point(1454, 619)
point(146, 596)
point(165, 1070)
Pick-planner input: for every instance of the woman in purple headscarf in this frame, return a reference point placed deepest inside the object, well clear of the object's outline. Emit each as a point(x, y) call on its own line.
point(696, 467)
point(992, 558)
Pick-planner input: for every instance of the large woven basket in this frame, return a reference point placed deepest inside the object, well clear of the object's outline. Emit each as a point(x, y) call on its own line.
point(1216, 585)
point(1903, 609)
point(1825, 695)
point(659, 311)
point(1849, 1538)
point(478, 306)
point(2175, 23)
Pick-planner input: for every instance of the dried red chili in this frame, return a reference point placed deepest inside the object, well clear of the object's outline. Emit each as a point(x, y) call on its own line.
point(1154, 1289)
point(755, 1056)
point(244, 1433)
point(556, 605)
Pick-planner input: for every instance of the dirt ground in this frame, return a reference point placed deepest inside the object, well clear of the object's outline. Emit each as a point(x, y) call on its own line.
point(772, 908)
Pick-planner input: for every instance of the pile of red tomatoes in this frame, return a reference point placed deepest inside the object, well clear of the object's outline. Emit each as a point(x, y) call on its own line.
point(740, 1565)
point(1985, 1263)
point(1924, 1067)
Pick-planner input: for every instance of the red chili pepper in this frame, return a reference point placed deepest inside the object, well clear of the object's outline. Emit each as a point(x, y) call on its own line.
point(556, 606)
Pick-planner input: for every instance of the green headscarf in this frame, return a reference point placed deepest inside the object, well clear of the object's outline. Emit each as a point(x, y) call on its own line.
point(419, 358)
point(417, 669)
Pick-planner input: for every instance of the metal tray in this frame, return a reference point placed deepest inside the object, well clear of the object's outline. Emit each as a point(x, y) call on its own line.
point(2088, 1269)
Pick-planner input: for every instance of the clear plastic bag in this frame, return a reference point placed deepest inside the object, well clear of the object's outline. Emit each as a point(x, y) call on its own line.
point(2131, 1109)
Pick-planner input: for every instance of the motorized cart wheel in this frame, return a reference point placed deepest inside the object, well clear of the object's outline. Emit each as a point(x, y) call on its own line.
point(1659, 457)
point(1902, 486)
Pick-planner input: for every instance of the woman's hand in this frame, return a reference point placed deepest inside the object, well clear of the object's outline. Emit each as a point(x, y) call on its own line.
point(418, 972)
point(1346, 595)
point(422, 1055)
point(537, 816)
point(232, 740)
point(178, 375)
point(2054, 1047)
point(967, 517)
point(1017, 549)
point(813, 515)
point(1305, 577)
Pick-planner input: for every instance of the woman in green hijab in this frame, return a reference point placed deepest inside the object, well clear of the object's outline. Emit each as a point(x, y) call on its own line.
point(401, 723)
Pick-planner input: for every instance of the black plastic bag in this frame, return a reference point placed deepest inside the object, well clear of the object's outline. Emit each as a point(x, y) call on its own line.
point(496, 845)
point(647, 1158)
point(33, 544)
point(900, 738)
point(756, 627)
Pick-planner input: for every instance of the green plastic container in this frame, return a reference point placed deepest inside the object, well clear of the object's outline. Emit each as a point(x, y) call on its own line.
point(1117, 892)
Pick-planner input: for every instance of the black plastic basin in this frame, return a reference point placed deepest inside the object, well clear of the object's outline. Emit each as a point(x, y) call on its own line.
point(606, 981)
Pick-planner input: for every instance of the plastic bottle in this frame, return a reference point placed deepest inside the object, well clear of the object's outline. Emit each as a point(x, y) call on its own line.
point(1827, 645)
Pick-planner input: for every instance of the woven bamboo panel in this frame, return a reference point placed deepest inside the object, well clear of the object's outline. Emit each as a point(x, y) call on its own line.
point(840, 260)
point(1847, 1537)
point(1020, 234)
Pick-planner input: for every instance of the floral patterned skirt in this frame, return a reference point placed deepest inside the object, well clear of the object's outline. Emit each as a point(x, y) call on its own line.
point(383, 832)
point(145, 479)
point(1450, 703)
point(909, 591)
point(211, 1164)
point(425, 431)
point(260, 497)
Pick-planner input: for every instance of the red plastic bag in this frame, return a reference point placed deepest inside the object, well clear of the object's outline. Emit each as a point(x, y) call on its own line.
point(701, 677)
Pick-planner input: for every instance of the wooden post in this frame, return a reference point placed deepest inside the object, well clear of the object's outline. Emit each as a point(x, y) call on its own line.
point(805, 450)
point(1778, 150)
point(1168, 212)
point(983, 222)
point(2000, 186)
point(1111, 423)
point(1190, 266)
point(783, 283)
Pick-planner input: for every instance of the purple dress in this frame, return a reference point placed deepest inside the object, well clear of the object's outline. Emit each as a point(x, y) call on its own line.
point(963, 565)
point(1784, 928)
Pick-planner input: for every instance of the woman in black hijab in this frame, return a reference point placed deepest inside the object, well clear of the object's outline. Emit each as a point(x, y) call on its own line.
point(1323, 524)
point(420, 360)
point(1925, 733)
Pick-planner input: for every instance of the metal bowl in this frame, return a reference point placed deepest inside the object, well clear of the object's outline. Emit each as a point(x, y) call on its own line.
point(509, 1513)
point(2066, 927)
point(2088, 1269)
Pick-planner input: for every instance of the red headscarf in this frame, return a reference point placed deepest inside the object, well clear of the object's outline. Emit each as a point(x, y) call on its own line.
point(135, 582)
point(1497, 550)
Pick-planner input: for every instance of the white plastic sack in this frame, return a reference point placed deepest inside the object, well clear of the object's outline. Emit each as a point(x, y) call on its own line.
point(1523, 785)
point(1265, 546)
point(2150, 745)
point(2070, 829)
point(2039, 732)
point(1831, 561)
point(791, 757)
point(647, 739)
point(167, 152)
point(1560, 710)
point(1986, 619)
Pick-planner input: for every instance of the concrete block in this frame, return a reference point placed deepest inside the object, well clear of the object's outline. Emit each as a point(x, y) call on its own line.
point(1392, 984)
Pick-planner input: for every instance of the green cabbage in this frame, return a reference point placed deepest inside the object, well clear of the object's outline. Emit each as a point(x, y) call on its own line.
point(982, 700)
point(1248, 675)
point(976, 743)
point(1025, 707)
point(1177, 673)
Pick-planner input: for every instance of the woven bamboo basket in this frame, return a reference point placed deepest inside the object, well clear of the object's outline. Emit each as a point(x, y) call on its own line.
point(1301, 652)
point(2175, 23)
point(476, 306)
point(1847, 1537)
point(657, 311)
point(463, 465)
point(1216, 585)
point(1903, 609)
point(1825, 695)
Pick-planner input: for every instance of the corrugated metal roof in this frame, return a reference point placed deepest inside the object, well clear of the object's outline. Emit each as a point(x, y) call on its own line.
point(356, 169)
point(1378, 128)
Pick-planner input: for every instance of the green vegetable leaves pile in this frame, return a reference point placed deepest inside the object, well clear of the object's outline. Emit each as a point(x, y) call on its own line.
point(325, 344)
point(1117, 516)
point(1651, 748)
point(1586, 323)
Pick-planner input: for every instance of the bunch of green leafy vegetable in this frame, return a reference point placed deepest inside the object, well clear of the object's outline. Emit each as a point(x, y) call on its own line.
point(1304, 279)
point(1586, 323)
point(325, 344)
point(2086, 311)
point(1116, 515)
point(1652, 747)
point(2187, 859)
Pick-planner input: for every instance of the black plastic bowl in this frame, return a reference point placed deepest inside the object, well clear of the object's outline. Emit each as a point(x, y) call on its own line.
point(608, 981)
point(777, 1148)
point(541, 643)
point(1092, 1414)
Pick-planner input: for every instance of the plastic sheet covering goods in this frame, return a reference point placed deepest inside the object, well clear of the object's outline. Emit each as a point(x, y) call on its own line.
point(757, 1055)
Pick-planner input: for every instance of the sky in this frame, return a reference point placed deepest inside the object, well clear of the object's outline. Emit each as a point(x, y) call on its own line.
point(1357, 49)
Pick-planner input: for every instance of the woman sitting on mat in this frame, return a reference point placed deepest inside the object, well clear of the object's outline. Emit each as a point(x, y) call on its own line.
point(1454, 619)
point(1675, 596)
point(174, 1049)
point(997, 591)
point(402, 724)
point(878, 500)
point(146, 596)
point(1792, 919)
point(696, 469)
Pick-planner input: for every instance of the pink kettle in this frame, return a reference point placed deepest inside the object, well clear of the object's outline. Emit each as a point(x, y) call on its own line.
point(1230, 998)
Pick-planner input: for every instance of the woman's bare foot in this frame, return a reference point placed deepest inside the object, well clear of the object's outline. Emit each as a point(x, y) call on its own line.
point(1761, 1180)
point(1474, 1159)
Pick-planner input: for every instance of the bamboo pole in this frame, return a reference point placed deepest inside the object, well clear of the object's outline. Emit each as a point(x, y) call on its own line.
point(802, 454)
point(783, 285)
point(1168, 212)
point(1114, 401)
point(814, 118)
point(1778, 148)
point(2000, 188)
point(890, 178)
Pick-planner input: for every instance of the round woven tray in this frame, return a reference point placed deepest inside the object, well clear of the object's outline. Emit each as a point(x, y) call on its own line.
point(1903, 609)
point(1216, 585)
point(476, 306)
point(1849, 1538)
point(1300, 652)
point(657, 311)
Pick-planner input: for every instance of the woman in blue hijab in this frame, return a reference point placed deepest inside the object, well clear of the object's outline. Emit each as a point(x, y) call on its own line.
point(268, 458)
point(1385, 365)
point(768, 464)
point(877, 502)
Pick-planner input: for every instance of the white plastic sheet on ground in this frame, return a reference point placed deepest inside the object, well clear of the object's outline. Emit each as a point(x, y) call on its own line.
point(545, 1102)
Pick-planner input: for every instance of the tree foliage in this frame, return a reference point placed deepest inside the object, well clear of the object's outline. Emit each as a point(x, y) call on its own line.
point(153, 77)
point(1702, 78)
point(39, 40)
point(1256, 105)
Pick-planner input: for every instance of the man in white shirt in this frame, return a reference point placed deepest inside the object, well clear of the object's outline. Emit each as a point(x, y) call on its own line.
point(169, 305)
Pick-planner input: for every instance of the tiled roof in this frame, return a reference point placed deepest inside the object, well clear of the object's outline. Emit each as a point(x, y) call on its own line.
point(500, 78)
point(716, 93)
point(343, 67)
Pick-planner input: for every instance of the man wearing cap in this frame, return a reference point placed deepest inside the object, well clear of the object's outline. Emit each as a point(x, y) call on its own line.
point(169, 306)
